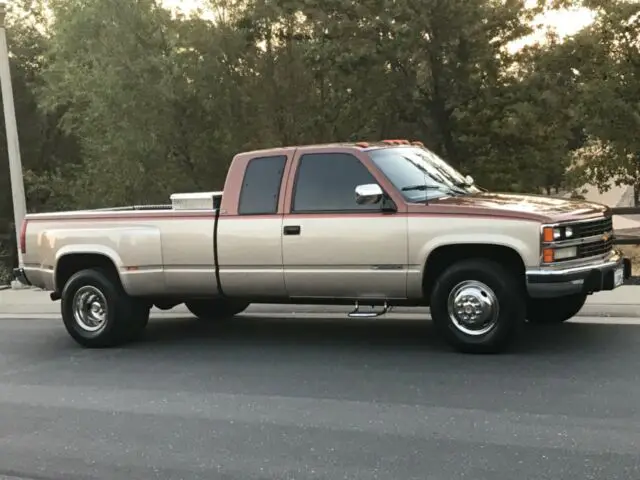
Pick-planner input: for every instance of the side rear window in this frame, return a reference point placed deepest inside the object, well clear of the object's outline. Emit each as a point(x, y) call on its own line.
point(326, 182)
point(261, 186)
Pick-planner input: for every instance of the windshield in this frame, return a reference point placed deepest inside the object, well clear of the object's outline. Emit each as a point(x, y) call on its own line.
point(420, 174)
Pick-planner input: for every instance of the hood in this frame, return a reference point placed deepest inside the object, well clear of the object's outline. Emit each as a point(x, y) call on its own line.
point(535, 207)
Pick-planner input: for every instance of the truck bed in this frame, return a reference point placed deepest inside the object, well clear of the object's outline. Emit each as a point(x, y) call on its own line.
point(146, 243)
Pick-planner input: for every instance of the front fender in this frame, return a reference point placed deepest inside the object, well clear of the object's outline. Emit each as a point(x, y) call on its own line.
point(529, 255)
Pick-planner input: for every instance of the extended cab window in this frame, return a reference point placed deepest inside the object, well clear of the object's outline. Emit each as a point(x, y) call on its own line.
point(261, 186)
point(326, 182)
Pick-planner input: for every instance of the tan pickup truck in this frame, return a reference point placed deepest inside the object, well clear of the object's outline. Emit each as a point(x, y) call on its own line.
point(377, 224)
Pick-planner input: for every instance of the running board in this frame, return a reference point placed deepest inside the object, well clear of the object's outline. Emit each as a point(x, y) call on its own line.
point(356, 313)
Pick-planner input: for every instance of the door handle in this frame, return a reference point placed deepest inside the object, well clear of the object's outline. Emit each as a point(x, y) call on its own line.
point(291, 230)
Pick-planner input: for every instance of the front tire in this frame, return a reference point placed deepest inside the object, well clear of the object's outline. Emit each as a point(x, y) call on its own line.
point(553, 311)
point(216, 309)
point(98, 313)
point(478, 306)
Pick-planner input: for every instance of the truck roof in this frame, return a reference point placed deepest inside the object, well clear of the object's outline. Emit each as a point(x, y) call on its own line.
point(364, 145)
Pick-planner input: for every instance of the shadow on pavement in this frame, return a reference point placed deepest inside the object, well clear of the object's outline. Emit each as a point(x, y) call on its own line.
point(402, 335)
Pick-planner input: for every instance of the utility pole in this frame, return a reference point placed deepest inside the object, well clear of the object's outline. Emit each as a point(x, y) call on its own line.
point(13, 144)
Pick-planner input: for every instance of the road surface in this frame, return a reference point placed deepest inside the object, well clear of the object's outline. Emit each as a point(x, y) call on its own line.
point(319, 398)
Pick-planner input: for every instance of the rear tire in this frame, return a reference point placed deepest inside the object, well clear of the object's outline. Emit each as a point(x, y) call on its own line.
point(478, 306)
point(98, 313)
point(553, 311)
point(216, 309)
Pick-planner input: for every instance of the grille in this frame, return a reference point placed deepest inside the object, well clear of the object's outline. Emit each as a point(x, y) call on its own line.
point(590, 229)
point(595, 248)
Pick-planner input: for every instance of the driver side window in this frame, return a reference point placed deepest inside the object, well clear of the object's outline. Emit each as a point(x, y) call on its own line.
point(326, 182)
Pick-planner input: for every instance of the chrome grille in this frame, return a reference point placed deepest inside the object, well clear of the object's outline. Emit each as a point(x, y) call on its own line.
point(595, 248)
point(594, 228)
point(590, 229)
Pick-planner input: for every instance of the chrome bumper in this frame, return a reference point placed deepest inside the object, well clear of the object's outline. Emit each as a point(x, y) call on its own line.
point(585, 279)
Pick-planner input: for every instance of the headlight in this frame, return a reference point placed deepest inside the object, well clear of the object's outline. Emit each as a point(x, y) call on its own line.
point(550, 255)
point(554, 234)
point(552, 239)
point(565, 253)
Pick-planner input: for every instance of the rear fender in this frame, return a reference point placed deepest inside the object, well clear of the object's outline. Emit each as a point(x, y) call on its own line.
point(91, 249)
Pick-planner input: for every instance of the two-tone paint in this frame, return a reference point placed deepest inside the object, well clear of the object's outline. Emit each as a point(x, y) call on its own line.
point(337, 255)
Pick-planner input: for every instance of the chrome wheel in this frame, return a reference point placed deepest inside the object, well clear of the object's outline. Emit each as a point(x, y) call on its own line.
point(90, 309)
point(473, 308)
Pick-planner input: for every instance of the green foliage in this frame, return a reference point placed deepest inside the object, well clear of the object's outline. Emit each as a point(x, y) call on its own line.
point(45, 148)
point(605, 58)
point(6, 262)
point(5, 275)
point(121, 102)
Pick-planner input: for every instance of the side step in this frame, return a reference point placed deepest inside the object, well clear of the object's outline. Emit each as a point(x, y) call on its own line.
point(356, 313)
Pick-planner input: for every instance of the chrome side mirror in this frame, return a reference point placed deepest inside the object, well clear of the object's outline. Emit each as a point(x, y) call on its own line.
point(369, 194)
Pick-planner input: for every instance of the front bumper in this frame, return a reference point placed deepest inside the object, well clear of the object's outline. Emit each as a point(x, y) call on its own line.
point(19, 275)
point(584, 279)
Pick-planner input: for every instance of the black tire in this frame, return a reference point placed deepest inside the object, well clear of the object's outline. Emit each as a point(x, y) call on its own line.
point(491, 281)
point(138, 321)
point(553, 311)
point(216, 309)
point(125, 318)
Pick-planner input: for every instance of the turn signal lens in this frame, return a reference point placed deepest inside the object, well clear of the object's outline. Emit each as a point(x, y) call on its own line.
point(547, 234)
point(547, 255)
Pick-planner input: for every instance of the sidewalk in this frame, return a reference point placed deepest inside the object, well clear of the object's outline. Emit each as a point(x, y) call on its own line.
point(34, 301)
point(622, 302)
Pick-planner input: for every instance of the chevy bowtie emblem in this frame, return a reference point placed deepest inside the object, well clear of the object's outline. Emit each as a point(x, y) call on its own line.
point(605, 237)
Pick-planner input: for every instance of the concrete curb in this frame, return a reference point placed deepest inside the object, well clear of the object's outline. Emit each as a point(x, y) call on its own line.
point(32, 302)
point(16, 285)
point(52, 310)
point(611, 311)
point(589, 310)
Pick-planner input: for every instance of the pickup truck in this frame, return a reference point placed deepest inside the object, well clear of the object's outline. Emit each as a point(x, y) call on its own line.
point(379, 224)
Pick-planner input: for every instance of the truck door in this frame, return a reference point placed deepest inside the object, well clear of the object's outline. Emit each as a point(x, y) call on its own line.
point(250, 237)
point(332, 246)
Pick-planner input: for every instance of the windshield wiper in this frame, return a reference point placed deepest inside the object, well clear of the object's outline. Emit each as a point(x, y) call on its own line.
point(423, 187)
point(461, 187)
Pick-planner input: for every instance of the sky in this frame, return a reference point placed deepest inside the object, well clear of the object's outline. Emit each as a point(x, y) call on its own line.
point(564, 22)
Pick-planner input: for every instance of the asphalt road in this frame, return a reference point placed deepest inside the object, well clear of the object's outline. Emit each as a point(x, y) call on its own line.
point(317, 398)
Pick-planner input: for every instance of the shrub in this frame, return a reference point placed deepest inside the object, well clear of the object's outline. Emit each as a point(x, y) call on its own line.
point(5, 274)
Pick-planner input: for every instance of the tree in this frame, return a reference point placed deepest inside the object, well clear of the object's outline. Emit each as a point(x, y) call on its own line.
point(161, 103)
point(46, 150)
point(443, 72)
point(606, 59)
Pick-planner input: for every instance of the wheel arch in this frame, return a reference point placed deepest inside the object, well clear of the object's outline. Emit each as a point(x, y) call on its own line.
point(72, 261)
point(440, 258)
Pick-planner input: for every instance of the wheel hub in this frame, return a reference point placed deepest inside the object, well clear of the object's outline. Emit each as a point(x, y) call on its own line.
point(90, 309)
point(473, 307)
